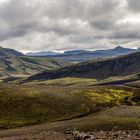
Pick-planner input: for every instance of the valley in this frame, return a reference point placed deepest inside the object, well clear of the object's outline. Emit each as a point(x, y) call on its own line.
point(23, 66)
point(69, 70)
point(41, 94)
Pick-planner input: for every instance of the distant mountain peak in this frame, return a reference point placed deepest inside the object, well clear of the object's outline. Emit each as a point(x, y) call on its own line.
point(119, 47)
point(121, 50)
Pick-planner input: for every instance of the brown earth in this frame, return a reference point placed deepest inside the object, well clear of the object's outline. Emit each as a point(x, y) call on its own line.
point(102, 135)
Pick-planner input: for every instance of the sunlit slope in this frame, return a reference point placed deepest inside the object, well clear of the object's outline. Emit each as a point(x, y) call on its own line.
point(28, 65)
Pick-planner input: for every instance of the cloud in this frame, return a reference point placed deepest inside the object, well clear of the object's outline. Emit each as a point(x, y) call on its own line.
point(68, 24)
point(134, 5)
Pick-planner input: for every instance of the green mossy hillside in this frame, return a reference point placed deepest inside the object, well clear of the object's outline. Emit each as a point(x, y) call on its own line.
point(22, 105)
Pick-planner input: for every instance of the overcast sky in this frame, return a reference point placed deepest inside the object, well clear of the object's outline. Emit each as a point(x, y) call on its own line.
point(42, 25)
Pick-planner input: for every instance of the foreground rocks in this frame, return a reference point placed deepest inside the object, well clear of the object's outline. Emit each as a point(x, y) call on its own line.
point(106, 135)
point(75, 135)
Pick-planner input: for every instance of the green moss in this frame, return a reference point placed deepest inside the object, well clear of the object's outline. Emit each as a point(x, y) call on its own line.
point(34, 104)
point(108, 97)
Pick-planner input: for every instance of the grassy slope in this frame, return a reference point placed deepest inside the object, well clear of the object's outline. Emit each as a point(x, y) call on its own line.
point(67, 82)
point(34, 104)
point(28, 65)
point(80, 82)
point(116, 118)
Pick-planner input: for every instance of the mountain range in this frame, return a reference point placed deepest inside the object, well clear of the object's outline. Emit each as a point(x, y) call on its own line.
point(97, 69)
point(125, 62)
point(84, 55)
point(50, 92)
point(73, 54)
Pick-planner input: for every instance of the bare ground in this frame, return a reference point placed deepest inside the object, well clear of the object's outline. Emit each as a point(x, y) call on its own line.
point(101, 135)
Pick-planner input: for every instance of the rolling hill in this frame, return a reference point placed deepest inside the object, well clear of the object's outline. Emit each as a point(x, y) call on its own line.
point(96, 69)
point(27, 104)
point(25, 66)
point(6, 52)
point(16, 64)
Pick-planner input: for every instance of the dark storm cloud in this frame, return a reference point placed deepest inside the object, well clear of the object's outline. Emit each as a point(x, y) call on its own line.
point(125, 35)
point(134, 5)
point(103, 24)
point(16, 31)
point(59, 24)
point(16, 19)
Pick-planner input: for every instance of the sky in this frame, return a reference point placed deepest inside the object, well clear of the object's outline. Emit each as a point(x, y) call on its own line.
point(44, 25)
